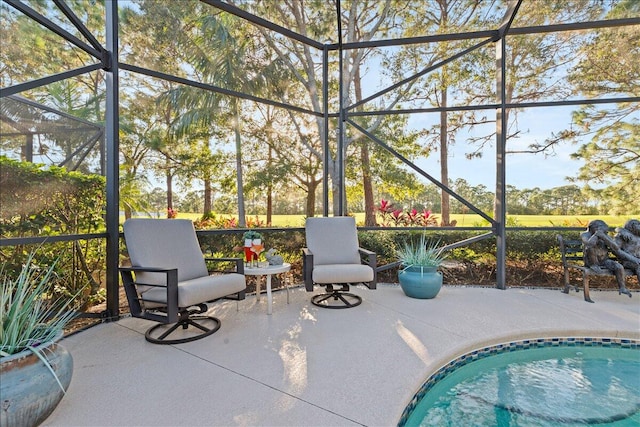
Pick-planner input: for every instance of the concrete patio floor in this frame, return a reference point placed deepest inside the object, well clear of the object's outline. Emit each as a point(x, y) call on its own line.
point(308, 366)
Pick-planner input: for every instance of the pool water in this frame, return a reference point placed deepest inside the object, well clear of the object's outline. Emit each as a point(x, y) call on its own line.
point(546, 386)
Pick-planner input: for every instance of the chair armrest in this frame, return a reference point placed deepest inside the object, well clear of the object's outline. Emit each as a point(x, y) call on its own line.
point(364, 251)
point(239, 263)
point(370, 258)
point(147, 269)
point(130, 287)
point(307, 268)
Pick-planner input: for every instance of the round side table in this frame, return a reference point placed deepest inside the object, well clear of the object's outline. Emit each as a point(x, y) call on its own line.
point(268, 271)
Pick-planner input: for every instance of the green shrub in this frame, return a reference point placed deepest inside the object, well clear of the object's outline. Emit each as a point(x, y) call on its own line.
point(532, 256)
point(48, 201)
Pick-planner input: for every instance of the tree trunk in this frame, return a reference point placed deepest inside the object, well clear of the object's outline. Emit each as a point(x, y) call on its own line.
point(369, 204)
point(335, 185)
point(269, 205)
point(169, 180)
point(27, 150)
point(207, 196)
point(508, 98)
point(367, 183)
point(241, 212)
point(444, 156)
point(312, 185)
point(270, 188)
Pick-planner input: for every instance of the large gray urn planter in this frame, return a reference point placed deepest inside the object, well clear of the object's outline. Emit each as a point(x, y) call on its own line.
point(29, 391)
point(420, 282)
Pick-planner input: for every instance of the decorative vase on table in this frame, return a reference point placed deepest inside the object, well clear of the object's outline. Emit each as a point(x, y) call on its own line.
point(249, 255)
point(418, 275)
point(252, 239)
point(35, 369)
point(252, 247)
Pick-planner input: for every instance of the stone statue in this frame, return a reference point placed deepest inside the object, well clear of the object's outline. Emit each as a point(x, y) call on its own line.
point(628, 239)
point(273, 258)
point(597, 244)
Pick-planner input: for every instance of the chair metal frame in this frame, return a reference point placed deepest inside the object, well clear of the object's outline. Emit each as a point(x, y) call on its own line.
point(171, 313)
point(337, 295)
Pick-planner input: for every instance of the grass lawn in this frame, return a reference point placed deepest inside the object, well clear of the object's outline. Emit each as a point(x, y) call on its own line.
point(464, 220)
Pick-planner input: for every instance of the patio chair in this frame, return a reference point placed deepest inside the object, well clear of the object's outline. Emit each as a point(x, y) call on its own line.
point(168, 281)
point(333, 259)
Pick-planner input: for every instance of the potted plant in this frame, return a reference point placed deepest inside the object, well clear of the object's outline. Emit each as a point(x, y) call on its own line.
point(252, 235)
point(36, 370)
point(418, 275)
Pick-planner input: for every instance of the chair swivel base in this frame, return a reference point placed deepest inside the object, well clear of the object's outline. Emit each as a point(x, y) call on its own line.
point(336, 298)
point(203, 325)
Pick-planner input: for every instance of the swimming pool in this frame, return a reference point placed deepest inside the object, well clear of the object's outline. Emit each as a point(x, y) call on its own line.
point(540, 382)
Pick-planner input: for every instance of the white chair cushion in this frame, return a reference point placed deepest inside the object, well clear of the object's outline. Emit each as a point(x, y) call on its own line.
point(332, 240)
point(196, 291)
point(342, 273)
point(164, 243)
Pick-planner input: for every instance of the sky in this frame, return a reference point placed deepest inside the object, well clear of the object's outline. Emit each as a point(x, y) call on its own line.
point(523, 170)
point(535, 125)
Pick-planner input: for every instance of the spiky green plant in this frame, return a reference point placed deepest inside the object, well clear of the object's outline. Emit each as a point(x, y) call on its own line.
point(29, 317)
point(421, 254)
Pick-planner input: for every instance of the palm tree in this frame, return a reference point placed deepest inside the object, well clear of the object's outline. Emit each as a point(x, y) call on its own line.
point(218, 57)
point(131, 199)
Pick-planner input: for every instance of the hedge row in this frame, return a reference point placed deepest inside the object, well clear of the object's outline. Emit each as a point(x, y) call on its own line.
point(521, 245)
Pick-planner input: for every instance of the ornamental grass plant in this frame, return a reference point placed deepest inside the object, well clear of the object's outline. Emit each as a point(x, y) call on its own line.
point(423, 253)
point(29, 314)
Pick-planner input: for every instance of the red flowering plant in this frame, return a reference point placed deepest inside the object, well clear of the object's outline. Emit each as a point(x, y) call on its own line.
point(385, 206)
point(394, 217)
point(412, 216)
point(251, 251)
point(254, 222)
point(212, 221)
point(426, 218)
point(398, 217)
point(172, 213)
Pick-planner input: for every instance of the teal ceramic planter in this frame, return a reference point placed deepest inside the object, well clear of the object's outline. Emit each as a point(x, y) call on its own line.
point(28, 391)
point(420, 282)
